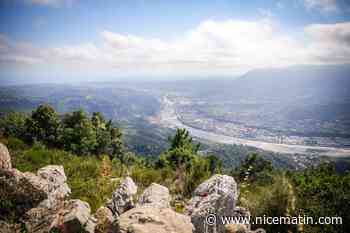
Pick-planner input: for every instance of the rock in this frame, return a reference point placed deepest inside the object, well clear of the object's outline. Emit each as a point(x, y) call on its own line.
point(20, 191)
point(236, 228)
point(5, 159)
point(74, 217)
point(122, 198)
point(9, 228)
point(156, 196)
point(106, 223)
point(218, 195)
point(56, 188)
point(41, 219)
point(147, 219)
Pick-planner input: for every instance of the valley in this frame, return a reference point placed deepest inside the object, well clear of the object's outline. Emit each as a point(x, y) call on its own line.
point(169, 117)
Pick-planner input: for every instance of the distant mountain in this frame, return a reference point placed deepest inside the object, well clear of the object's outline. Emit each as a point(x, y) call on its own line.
point(321, 83)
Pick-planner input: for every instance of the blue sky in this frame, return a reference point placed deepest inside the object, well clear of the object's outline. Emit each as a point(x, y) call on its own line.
point(113, 38)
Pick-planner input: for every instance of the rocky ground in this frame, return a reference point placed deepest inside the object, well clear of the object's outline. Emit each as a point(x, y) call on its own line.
point(40, 203)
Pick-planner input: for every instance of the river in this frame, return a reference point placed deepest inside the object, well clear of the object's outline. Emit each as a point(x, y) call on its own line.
point(168, 118)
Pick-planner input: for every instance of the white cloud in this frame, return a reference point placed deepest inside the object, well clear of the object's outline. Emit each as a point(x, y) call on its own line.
point(326, 6)
point(213, 47)
point(331, 42)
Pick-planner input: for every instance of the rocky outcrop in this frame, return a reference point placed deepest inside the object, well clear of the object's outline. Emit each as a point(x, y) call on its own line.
point(56, 187)
point(148, 219)
point(106, 222)
point(20, 192)
point(218, 195)
point(74, 217)
point(156, 196)
point(39, 204)
point(153, 214)
point(236, 228)
point(5, 159)
point(41, 219)
point(122, 198)
point(9, 228)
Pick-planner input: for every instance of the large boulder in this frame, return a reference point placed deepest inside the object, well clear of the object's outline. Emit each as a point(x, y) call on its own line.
point(122, 198)
point(155, 195)
point(56, 188)
point(20, 192)
point(9, 228)
point(218, 195)
point(23, 191)
point(148, 219)
point(106, 222)
point(74, 217)
point(5, 159)
point(41, 219)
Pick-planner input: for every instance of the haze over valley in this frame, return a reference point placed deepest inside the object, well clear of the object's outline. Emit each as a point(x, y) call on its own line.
point(300, 112)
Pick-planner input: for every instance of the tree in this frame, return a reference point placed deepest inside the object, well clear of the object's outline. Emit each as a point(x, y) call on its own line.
point(255, 168)
point(43, 125)
point(183, 139)
point(103, 134)
point(13, 124)
point(190, 167)
point(78, 133)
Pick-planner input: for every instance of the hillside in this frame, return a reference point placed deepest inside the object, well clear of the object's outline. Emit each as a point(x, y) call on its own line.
point(86, 184)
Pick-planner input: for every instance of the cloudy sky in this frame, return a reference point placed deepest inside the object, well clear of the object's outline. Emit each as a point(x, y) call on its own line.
point(56, 39)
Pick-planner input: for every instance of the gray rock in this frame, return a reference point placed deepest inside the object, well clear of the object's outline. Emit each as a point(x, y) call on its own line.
point(74, 217)
point(155, 195)
point(106, 222)
point(21, 192)
point(5, 159)
point(9, 228)
point(56, 188)
point(147, 219)
point(122, 198)
point(218, 195)
point(41, 219)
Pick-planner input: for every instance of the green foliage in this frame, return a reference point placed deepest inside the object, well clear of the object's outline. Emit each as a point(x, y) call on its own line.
point(43, 125)
point(323, 193)
point(13, 124)
point(76, 132)
point(182, 139)
point(84, 174)
point(272, 200)
point(190, 168)
point(254, 169)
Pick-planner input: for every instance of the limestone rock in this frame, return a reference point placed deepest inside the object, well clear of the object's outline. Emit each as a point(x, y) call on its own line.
point(9, 228)
point(56, 188)
point(122, 198)
point(236, 228)
point(5, 159)
point(41, 219)
point(75, 217)
point(156, 196)
point(147, 219)
point(218, 195)
point(106, 223)
point(21, 191)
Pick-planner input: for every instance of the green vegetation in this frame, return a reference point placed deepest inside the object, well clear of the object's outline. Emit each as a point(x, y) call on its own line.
point(314, 192)
point(92, 152)
point(74, 132)
point(321, 192)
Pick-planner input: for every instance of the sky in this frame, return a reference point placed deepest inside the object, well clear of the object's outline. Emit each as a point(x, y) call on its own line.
point(112, 39)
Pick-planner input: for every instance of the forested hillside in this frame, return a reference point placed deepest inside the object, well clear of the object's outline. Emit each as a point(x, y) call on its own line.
point(94, 157)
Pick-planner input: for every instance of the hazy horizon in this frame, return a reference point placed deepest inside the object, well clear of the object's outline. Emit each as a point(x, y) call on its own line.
point(72, 40)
